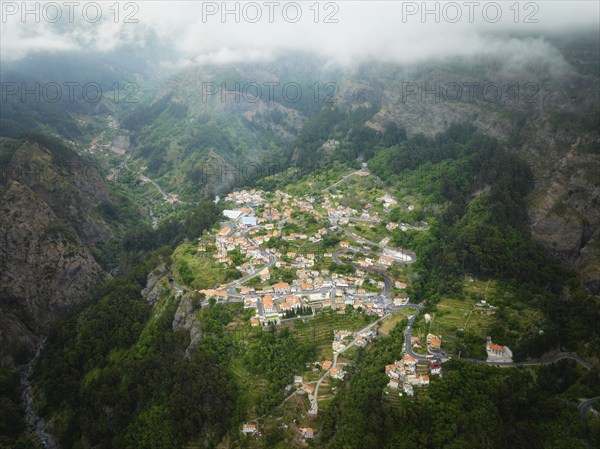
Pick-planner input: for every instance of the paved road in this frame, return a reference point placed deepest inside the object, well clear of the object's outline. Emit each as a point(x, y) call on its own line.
point(344, 178)
point(385, 187)
point(364, 220)
point(583, 406)
point(406, 226)
point(408, 332)
point(387, 280)
point(549, 361)
point(314, 403)
point(155, 184)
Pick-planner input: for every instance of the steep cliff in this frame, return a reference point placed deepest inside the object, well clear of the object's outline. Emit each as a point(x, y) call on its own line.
point(52, 209)
point(45, 268)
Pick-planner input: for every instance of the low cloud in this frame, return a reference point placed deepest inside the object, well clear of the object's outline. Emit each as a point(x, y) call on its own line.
point(342, 32)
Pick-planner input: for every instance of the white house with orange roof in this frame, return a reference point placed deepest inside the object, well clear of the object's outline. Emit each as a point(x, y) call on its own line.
point(497, 353)
point(268, 304)
point(434, 341)
point(386, 261)
point(281, 287)
point(265, 275)
point(307, 432)
point(409, 361)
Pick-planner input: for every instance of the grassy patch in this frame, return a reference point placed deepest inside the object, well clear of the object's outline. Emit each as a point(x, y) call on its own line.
point(484, 308)
point(250, 386)
point(204, 271)
point(389, 323)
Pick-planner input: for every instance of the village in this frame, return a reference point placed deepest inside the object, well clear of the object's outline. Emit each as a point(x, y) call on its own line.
point(250, 232)
point(287, 250)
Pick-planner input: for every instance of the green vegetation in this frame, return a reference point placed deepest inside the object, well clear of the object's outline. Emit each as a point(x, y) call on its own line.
point(318, 331)
point(118, 375)
point(14, 433)
point(388, 324)
point(170, 232)
point(471, 407)
point(482, 230)
point(298, 311)
point(115, 386)
point(277, 356)
point(464, 321)
point(197, 270)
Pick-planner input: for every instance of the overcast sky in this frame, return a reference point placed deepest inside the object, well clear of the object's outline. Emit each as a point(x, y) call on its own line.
point(345, 31)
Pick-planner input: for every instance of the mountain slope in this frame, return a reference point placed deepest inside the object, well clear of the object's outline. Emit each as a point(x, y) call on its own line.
point(55, 207)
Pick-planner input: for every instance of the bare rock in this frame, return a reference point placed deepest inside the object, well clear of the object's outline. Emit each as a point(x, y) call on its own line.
point(152, 291)
point(185, 318)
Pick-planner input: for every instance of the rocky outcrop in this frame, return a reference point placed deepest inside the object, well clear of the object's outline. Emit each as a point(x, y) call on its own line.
point(54, 205)
point(45, 268)
point(588, 263)
point(185, 318)
point(152, 291)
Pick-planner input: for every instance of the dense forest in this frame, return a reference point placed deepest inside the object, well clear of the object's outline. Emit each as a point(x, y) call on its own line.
point(113, 373)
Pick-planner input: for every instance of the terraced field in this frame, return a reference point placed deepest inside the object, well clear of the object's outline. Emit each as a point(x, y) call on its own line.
point(250, 386)
point(318, 331)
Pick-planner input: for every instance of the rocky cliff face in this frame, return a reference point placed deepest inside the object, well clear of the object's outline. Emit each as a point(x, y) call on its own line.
point(185, 318)
point(49, 216)
point(71, 186)
point(152, 291)
point(45, 268)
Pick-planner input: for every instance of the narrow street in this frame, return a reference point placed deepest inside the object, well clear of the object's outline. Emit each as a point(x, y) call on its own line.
point(314, 403)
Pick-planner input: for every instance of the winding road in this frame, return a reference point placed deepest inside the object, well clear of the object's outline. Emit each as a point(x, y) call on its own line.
point(314, 403)
point(387, 280)
point(583, 407)
point(549, 361)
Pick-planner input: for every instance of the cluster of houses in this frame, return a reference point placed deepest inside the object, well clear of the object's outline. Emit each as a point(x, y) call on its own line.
point(372, 261)
point(344, 214)
point(406, 374)
point(334, 372)
point(261, 220)
point(311, 288)
point(339, 339)
point(388, 201)
point(256, 218)
point(364, 337)
point(253, 197)
point(228, 240)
